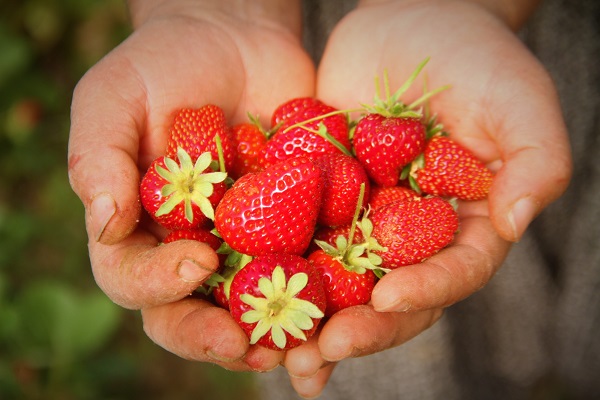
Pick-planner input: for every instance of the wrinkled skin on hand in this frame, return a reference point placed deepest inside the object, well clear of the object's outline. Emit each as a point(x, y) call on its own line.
point(497, 86)
point(182, 57)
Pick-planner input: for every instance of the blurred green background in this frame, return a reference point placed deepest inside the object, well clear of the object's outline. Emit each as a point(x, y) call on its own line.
point(60, 337)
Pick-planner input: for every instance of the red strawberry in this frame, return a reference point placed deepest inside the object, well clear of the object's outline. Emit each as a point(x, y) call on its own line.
point(380, 196)
point(222, 283)
point(448, 169)
point(386, 144)
point(348, 263)
point(195, 130)
point(199, 235)
point(329, 235)
point(287, 110)
point(181, 194)
point(250, 140)
point(307, 140)
point(344, 286)
point(413, 230)
point(278, 300)
point(343, 177)
point(274, 211)
point(392, 134)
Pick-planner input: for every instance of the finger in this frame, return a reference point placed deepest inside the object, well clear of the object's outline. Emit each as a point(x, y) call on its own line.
point(311, 387)
point(139, 273)
point(536, 160)
point(103, 145)
point(452, 274)
point(196, 330)
point(305, 361)
point(360, 331)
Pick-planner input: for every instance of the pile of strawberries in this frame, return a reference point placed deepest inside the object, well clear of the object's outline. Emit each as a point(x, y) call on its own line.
point(308, 215)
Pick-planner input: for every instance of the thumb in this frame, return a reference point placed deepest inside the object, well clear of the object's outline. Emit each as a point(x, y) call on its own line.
point(536, 164)
point(103, 148)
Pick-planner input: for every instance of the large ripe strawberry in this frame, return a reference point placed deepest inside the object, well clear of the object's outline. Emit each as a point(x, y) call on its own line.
point(344, 176)
point(195, 130)
point(278, 300)
point(380, 196)
point(317, 134)
point(392, 133)
point(448, 169)
point(182, 194)
point(413, 230)
point(273, 211)
point(250, 140)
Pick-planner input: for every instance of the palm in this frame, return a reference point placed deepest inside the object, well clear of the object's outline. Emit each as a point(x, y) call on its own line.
point(121, 112)
point(190, 63)
point(496, 88)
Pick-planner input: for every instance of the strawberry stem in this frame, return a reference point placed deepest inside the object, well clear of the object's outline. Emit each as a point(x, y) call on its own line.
point(324, 133)
point(320, 117)
point(357, 210)
point(220, 153)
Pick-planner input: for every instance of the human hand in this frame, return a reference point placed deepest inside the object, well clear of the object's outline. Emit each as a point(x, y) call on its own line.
point(243, 57)
point(502, 105)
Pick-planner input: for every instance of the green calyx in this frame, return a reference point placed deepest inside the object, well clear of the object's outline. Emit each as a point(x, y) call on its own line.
point(188, 183)
point(234, 262)
point(388, 106)
point(391, 105)
point(357, 257)
point(280, 311)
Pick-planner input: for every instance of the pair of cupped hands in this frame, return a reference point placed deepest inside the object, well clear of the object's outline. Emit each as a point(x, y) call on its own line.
point(247, 57)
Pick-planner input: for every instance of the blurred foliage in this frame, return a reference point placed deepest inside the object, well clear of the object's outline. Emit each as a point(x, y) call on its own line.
point(60, 337)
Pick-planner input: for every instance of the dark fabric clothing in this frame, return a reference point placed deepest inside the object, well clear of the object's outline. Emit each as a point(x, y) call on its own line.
point(534, 331)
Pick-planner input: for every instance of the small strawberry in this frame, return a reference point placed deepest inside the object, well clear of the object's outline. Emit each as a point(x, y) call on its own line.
point(278, 300)
point(447, 169)
point(413, 230)
point(345, 286)
point(329, 234)
point(348, 263)
point(250, 140)
point(385, 144)
point(343, 177)
point(380, 196)
point(391, 134)
point(182, 194)
point(195, 131)
point(309, 132)
point(199, 235)
point(222, 283)
point(273, 211)
point(287, 110)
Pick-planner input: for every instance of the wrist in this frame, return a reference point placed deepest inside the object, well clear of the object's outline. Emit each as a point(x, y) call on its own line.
point(513, 13)
point(276, 14)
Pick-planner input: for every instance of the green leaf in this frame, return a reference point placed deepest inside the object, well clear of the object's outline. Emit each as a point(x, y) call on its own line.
point(58, 324)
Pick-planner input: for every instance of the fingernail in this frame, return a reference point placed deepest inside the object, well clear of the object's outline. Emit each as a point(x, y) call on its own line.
point(522, 213)
point(308, 389)
point(189, 271)
point(102, 210)
point(221, 358)
point(309, 375)
point(398, 305)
